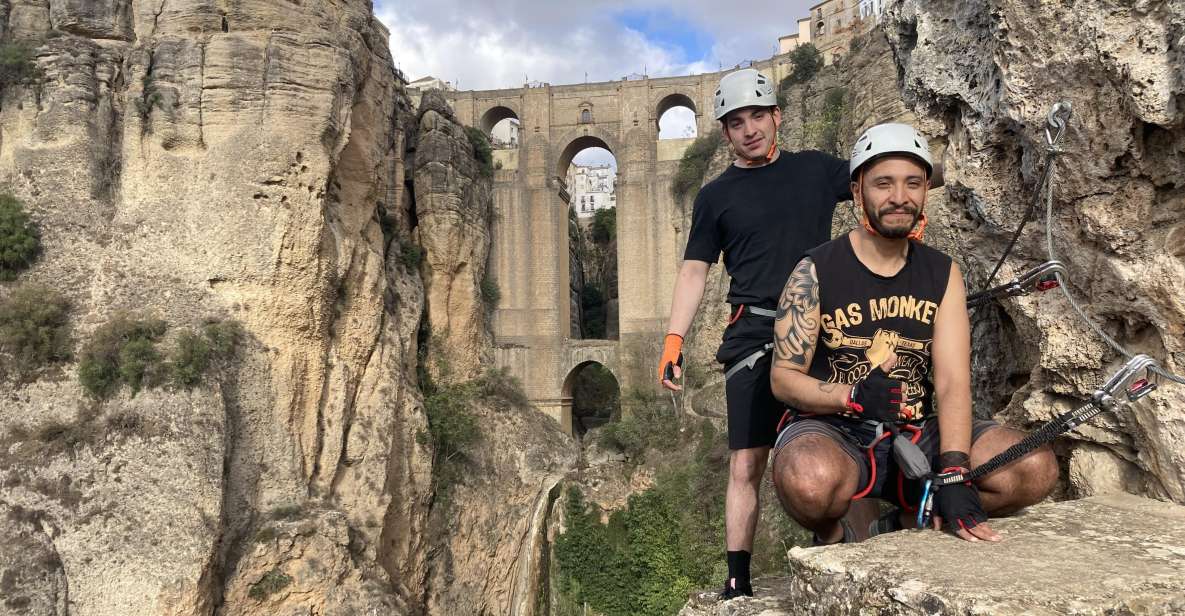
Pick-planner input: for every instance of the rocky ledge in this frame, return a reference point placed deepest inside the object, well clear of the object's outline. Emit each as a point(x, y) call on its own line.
point(1116, 554)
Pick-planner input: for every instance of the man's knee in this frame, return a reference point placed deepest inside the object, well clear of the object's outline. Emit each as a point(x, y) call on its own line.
point(812, 474)
point(747, 465)
point(1020, 484)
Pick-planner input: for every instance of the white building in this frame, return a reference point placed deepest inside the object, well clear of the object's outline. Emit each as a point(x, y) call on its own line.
point(592, 188)
point(505, 134)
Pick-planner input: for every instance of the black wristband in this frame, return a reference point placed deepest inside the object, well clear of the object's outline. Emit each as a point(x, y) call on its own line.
point(954, 458)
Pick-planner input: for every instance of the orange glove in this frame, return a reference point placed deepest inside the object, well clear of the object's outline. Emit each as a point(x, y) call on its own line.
point(672, 356)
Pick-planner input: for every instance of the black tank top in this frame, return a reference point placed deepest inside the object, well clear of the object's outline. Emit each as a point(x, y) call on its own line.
point(865, 316)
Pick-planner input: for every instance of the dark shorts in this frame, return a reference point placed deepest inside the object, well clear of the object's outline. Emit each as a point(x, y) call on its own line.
point(753, 411)
point(853, 437)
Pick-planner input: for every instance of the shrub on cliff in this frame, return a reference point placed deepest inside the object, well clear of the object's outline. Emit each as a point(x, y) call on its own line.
point(823, 132)
point(196, 353)
point(490, 293)
point(482, 150)
point(34, 328)
point(19, 242)
point(604, 226)
point(646, 422)
point(694, 164)
point(16, 65)
point(122, 352)
point(806, 61)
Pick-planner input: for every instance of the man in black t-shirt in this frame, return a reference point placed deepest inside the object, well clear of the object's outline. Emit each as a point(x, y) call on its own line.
point(871, 327)
point(762, 213)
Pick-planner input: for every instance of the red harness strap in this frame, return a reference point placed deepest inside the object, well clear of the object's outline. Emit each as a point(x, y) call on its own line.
point(736, 315)
point(916, 436)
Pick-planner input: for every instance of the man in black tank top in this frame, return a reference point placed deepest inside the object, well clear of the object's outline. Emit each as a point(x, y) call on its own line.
point(871, 328)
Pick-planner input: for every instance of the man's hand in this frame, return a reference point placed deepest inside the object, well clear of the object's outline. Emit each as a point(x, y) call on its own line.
point(876, 396)
point(671, 362)
point(958, 510)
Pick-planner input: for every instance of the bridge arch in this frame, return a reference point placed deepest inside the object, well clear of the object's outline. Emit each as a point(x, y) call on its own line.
point(670, 101)
point(590, 402)
point(496, 114)
point(578, 140)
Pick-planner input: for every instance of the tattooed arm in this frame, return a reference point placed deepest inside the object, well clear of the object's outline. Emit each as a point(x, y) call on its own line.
point(796, 332)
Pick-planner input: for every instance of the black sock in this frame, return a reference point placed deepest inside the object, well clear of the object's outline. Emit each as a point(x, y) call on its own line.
point(738, 567)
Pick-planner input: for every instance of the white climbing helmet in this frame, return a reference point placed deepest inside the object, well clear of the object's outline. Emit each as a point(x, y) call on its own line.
point(744, 88)
point(889, 139)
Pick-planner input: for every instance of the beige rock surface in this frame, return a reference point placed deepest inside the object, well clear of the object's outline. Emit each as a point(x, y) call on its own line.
point(1117, 554)
point(453, 207)
point(196, 159)
point(493, 529)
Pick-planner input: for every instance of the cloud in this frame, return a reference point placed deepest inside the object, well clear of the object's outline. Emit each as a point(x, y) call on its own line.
point(485, 45)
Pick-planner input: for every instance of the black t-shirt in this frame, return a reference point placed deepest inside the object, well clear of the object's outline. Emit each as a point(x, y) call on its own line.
point(865, 316)
point(764, 219)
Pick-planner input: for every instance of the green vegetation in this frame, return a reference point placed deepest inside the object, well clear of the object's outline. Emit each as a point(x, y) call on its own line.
point(124, 351)
point(149, 96)
point(490, 293)
point(19, 241)
point(593, 313)
point(195, 353)
point(452, 425)
point(604, 226)
point(482, 151)
point(693, 166)
point(824, 132)
point(647, 423)
point(806, 62)
point(272, 582)
point(34, 328)
point(668, 540)
point(411, 255)
point(17, 66)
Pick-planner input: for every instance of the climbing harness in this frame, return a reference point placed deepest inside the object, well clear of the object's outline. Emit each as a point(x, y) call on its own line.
point(749, 360)
point(1040, 278)
point(1136, 379)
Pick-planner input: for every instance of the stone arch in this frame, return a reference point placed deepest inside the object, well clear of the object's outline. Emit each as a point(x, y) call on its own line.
point(584, 138)
point(676, 99)
point(567, 392)
point(496, 114)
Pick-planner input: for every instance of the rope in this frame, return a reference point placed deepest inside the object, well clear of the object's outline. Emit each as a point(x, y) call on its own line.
point(1074, 303)
point(1046, 178)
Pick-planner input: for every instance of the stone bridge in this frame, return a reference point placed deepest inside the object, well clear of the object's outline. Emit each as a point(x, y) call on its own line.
point(529, 255)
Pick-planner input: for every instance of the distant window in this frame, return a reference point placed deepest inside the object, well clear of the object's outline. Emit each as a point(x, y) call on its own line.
point(585, 116)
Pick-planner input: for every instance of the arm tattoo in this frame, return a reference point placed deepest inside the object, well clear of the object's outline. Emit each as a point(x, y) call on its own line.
point(799, 304)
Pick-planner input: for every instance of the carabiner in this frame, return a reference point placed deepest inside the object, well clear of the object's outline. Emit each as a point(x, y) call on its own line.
point(925, 506)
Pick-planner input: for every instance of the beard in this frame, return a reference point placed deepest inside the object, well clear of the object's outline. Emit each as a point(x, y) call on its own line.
point(897, 231)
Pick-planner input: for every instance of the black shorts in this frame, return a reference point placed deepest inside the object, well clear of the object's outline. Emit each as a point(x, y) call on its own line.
point(853, 437)
point(753, 411)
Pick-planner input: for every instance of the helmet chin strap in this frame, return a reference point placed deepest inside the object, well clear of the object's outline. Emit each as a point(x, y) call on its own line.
point(919, 228)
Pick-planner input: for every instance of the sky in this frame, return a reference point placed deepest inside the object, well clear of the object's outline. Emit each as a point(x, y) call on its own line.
point(480, 45)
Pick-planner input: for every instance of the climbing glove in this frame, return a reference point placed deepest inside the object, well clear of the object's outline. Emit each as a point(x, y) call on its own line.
point(958, 504)
point(672, 355)
point(877, 397)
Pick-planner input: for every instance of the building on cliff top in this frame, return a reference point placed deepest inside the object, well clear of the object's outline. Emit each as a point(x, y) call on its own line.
point(831, 25)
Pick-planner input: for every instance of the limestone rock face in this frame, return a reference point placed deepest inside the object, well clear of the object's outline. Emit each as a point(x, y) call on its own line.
point(493, 528)
point(187, 160)
point(1101, 555)
point(988, 73)
point(453, 208)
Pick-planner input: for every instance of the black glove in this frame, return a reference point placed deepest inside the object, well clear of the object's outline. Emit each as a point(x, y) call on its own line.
point(959, 506)
point(877, 397)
